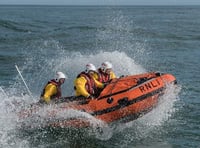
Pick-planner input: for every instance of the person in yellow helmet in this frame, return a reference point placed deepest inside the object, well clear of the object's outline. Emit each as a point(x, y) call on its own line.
point(52, 89)
point(105, 73)
point(85, 84)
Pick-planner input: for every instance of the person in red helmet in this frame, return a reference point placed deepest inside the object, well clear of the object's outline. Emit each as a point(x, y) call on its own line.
point(52, 89)
point(85, 84)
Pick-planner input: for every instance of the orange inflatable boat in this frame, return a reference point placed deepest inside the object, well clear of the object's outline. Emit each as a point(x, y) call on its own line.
point(124, 99)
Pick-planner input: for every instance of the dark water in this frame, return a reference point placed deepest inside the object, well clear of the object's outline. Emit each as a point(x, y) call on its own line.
point(44, 39)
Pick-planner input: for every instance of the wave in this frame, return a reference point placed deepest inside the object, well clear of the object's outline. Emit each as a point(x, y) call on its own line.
point(83, 27)
point(116, 41)
point(12, 26)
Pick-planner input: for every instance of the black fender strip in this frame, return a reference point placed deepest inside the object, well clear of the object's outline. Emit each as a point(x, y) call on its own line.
point(132, 101)
point(143, 80)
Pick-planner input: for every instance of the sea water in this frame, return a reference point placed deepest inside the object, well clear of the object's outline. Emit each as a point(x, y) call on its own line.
point(41, 40)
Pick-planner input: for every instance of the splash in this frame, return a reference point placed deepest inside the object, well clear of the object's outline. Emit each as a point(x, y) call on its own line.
point(150, 125)
point(71, 63)
point(8, 121)
point(54, 116)
point(39, 68)
point(45, 57)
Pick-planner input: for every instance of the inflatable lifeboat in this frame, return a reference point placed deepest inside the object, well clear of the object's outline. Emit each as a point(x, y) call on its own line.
point(123, 99)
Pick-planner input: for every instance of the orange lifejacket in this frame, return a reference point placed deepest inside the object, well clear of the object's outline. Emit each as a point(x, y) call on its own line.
point(90, 85)
point(103, 77)
point(58, 94)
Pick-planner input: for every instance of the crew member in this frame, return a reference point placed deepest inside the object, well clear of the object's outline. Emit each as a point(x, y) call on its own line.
point(105, 73)
point(85, 84)
point(52, 90)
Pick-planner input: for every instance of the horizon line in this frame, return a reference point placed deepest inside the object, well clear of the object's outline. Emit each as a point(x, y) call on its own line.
point(99, 5)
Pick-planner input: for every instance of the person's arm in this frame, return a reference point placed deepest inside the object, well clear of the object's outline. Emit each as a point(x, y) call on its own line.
point(112, 75)
point(99, 84)
point(80, 87)
point(95, 76)
point(50, 90)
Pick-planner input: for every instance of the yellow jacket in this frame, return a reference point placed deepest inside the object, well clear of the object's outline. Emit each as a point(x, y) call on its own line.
point(112, 75)
point(80, 86)
point(50, 91)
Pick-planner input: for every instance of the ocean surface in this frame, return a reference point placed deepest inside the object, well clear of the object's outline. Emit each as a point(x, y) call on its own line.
point(41, 40)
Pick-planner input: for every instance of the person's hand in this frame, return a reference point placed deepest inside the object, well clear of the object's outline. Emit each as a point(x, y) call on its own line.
point(121, 76)
point(91, 97)
point(105, 84)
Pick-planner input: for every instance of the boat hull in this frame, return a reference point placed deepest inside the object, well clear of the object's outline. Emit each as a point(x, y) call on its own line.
point(124, 99)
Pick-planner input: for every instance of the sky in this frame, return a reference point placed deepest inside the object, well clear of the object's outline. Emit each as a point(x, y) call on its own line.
point(100, 2)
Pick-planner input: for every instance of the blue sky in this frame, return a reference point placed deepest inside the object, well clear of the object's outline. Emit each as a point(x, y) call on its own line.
point(102, 2)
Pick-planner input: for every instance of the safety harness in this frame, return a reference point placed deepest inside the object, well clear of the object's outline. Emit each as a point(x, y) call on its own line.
point(103, 77)
point(90, 84)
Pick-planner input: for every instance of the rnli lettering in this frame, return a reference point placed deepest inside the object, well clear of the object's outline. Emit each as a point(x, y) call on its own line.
point(149, 86)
